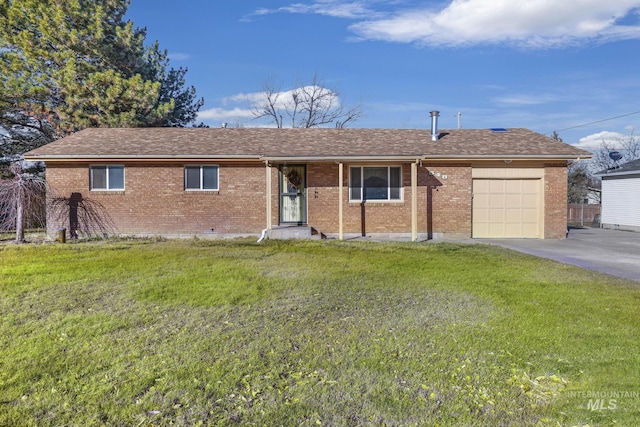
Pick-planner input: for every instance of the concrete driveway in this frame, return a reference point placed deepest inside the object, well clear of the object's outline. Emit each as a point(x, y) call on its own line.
point(614, 252)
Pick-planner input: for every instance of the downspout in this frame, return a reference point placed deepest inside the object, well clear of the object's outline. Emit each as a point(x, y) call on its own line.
point(340, 199)
point(414, 200)
point(268, 201)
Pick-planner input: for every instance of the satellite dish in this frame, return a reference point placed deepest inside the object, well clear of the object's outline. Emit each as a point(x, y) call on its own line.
point(615, 155)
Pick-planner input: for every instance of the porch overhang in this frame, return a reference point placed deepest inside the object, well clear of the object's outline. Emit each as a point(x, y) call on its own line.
point(339, 159)
point(410, 158)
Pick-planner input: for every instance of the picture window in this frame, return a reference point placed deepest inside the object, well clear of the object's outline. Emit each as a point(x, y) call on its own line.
point(375, 183)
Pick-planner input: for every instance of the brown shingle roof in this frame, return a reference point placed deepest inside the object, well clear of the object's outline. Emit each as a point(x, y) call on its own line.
point(265, 143)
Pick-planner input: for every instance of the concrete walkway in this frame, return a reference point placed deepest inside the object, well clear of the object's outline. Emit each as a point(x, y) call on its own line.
point(614, 252)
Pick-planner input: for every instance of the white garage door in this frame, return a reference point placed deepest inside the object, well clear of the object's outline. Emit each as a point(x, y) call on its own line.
point(507, 208)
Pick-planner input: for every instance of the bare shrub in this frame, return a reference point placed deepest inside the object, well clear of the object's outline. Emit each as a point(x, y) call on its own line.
point(22, 200)
point(85, 217)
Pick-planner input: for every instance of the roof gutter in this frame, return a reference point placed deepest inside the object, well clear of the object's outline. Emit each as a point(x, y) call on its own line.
point(282, 159)
point(333, 159)
point(622, 173)
point(141, 158)
point(504, 157)
point(412, 158)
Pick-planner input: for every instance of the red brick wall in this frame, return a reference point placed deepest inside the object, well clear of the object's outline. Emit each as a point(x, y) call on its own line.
point(444, 205)
point(450, 186)
point(154, 200)
point(378, 217)
point(555, 201)
point(323, 197)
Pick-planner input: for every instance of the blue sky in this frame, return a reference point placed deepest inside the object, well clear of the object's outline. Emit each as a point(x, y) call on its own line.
point(541, 64)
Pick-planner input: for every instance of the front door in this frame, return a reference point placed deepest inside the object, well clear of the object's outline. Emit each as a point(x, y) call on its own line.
point(293, 189)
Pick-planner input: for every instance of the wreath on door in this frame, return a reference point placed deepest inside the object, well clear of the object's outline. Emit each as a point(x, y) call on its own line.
point(294, 178)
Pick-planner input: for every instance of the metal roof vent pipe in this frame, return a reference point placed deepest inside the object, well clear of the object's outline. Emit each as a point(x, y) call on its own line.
point(434, 125)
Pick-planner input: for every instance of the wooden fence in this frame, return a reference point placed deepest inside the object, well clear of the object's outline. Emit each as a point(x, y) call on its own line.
point(582, 214)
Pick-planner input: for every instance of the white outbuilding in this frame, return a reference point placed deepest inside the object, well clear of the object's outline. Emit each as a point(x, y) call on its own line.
point(621, 196)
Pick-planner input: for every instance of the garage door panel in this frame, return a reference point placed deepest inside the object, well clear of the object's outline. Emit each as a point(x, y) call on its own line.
point(512, 214)
point(481, 186)
point(514, 200)
point(482, 215)
point(496, 229)
point(530, 229)
point(530, 201)
point(481, 201)
point(483, 229)
point(530, 215)
point(513, 230)
point(507, 208)
point(497, 215)
point(496, 186)
point(513, 186)
point(496, 200)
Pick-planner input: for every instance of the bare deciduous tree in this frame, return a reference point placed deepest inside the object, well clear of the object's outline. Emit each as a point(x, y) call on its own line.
point(23, 195)
point(82, 215)
point(628, 146)
point(582, 185)
point(307, 106)
point(22, 199)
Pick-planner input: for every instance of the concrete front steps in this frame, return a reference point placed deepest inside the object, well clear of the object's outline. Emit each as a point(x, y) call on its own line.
point(285, 232)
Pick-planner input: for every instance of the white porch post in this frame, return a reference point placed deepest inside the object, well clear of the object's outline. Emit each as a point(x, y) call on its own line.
point(268, 192)
point(340, 197)
point(414, 201)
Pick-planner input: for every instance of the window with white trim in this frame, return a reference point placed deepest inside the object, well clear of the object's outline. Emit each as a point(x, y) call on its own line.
point(375, 183)
point(201, 177)
point(106, 177)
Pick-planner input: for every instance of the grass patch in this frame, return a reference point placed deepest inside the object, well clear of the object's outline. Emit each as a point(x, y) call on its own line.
point(311, 333)
point(34, 235)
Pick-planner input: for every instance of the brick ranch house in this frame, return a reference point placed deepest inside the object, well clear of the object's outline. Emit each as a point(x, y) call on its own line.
point(422, 184)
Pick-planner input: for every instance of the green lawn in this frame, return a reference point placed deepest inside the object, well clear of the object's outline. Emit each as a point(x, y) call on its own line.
point(194, 332)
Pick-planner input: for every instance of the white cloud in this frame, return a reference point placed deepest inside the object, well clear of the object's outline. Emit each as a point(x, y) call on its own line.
point(523, 23)
point(540, 23)
point(241, 107)
point(594, 141)
point(217, 113)
point(334, 8)
point(526, 99)
point(235, 108)
point(179, 56)
point(247, 98)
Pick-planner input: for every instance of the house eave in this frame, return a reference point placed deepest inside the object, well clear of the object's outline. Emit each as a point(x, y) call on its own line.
point(140, 158)
point(417, 157)
point(339, 159)
point(617, 174)
point(505, 157)
point(290, 159)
